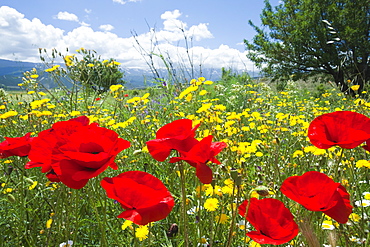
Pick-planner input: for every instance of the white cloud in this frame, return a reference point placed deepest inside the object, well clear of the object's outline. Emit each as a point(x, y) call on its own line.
point(106, 27)
point(64, 15)
point(84, 24)
point(124, 2)
point(171, 15)
point(22, 37)
point(88, 11)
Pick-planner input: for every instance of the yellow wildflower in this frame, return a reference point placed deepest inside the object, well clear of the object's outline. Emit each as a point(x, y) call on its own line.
point(367, 195)
point(222, 219)
point(208, 82)
point(355, 87)
point(227, 189)
point(75, 113)
point(7, 190)
point(187, 91)
point(211, 204)
point(297, 153)
point(204, 107)
point(114, 88)
point(38, 103)
point(52, 68)
point(210, 191)
point(203, 92)
point(363, 163)
point(254, 244)
point(31, 187)
point(142, 232)
point(8, 114)
point(69, 60)
point(328, 225)
point(355, 217)
point(188, 97)
point(126, 224)
point(48, 223)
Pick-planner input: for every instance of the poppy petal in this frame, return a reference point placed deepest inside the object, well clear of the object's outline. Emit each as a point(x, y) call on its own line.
point(273, 222)
point(342, 209)
point(143, 196)
point(317, 192)
point(345, 129)
point(204, 173)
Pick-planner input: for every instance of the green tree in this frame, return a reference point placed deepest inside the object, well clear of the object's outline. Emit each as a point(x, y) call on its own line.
point(301, 38)
point(93, 72)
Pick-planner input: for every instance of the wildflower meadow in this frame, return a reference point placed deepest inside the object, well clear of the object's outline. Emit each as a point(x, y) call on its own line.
point(198, 163)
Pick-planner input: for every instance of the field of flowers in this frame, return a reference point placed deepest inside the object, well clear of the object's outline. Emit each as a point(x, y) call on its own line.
point(202, 164)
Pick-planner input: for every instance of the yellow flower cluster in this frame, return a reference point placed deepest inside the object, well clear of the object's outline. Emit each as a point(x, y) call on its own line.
point(8, 114)
point(55, 67)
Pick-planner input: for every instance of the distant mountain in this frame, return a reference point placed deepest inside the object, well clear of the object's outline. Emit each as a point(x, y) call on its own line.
point(11, 73)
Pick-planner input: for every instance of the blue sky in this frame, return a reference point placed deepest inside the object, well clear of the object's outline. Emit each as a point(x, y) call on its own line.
point(216, 27)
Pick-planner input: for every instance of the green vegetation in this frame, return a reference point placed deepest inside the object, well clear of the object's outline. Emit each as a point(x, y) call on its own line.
point(304, 38)
point(266, 134)
point(251, 135)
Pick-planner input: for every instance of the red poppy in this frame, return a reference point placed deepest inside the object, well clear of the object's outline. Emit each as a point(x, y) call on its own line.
point(177, 135)
point(143, 196)
point(345, 129)
point(41, 153)
point(17, 146)
point(273, 222)
point(199, 155)
point(73, 151)
point(317, 192)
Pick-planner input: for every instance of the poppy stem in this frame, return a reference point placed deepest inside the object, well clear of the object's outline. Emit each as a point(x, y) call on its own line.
point(233, 210)
point(183, 201)
point(102, 225)
point(336, 168)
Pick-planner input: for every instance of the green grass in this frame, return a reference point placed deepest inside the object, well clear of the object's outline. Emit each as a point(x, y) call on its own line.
point(262, 127)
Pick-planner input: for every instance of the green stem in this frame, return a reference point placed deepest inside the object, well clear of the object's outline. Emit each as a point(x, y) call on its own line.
point(101, 224)
point(233, 215)
point(336, 167)
point(198, 210)
point(211, 228)
point(183, 202)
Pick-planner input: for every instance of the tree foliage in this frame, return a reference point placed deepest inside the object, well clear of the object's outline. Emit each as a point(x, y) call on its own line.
point(92, 71)
point(301, 38)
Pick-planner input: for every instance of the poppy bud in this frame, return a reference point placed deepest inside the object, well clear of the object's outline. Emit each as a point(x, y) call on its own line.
point(262, 190)
point(9, 170)
point(238, 180)
point(174, 229)
point(11, 198)
point(234, 174)
point(213, 183)
point(28, 180)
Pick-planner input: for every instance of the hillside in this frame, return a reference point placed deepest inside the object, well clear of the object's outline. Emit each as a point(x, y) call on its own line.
point(11, 73)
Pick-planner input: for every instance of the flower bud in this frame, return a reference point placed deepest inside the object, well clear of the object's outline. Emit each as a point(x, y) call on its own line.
point(262, 190)
point(174, 229)
point(11, 198)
